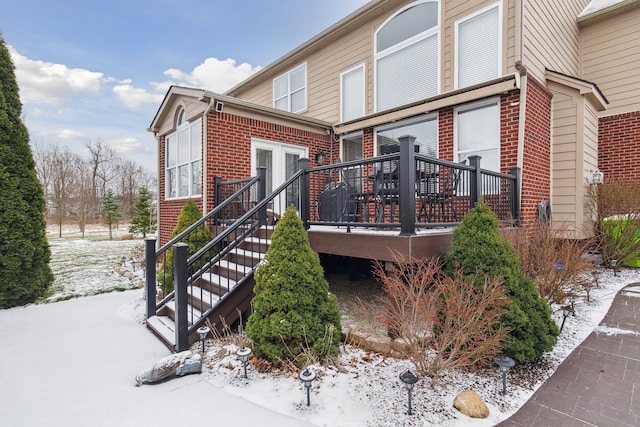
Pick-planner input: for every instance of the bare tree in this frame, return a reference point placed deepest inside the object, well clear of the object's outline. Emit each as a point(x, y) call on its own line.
point(128, 181)
point(101, 161)
point(62, 179)
point(81, 196)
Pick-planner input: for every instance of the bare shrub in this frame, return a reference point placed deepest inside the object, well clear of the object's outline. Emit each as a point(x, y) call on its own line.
point(556, 265)
point(615, 209)
point(444, 321)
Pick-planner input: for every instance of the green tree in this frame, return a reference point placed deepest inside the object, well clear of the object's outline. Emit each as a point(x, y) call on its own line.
point(142, 221)
point(24, 252)
point(110, 211)
point(294, 312)
point(189, 215)
point(478, 247)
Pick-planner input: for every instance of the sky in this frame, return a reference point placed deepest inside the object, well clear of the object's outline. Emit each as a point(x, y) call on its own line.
point(90, 71)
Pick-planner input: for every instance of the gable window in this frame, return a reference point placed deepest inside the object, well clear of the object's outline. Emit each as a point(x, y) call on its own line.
point(477, 131)
point(478, 47)
point(183, 160)
point(352, 93)
point(406, 56)
point(290, 90)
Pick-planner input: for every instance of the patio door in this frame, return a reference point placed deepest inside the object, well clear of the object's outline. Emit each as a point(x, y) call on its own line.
point(281, 161)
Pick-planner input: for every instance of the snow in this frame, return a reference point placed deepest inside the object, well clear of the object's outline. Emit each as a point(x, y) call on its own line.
point(74, 363)
point(597, 6)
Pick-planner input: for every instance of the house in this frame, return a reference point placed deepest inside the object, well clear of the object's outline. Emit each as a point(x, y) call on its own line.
point(543, 88)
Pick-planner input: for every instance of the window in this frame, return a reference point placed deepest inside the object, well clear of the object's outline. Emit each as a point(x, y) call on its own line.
point(184, 160)
point(290, 90)
point(352, 93)
point(352, 147)
point(406, 56)
point(478, 47)
point(424, 129)
point(477, 131)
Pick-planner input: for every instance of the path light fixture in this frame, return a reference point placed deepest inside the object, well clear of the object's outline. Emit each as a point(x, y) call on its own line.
point(505, 363)
point(614, 264)
point(307, 378)
point(203, 331)
point(243, 354)
point(123, 261)
point(566, 310)
point(408, 378)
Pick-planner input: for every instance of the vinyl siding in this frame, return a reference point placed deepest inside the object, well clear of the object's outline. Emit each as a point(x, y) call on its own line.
point(611, 55)
point(354, 47)
point(551, 37)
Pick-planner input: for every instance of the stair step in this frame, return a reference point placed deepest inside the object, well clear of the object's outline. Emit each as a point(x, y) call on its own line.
point(165, 327)
point(192, 312)
point(220, 281)
point(203, 295)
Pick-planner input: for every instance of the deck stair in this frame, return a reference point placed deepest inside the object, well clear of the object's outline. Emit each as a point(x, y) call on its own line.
point(206, 293)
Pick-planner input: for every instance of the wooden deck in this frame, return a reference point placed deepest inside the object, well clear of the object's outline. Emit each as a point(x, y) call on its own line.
point(379, 244)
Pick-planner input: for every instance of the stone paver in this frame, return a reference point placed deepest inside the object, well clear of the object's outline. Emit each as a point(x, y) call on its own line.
point(598, 384)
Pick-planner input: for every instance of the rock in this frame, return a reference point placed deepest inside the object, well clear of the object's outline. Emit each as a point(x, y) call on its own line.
point(369, 341)
point(471, 404)
point(178, 364)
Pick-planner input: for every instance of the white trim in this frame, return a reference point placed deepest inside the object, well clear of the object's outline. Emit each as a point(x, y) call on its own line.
point(457, 40)
point(191, 159)
point(364, 90)
point(408, 42)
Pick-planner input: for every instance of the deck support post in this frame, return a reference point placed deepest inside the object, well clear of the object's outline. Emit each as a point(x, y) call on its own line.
point(150, 275)
point(304, 192)
point(515, 194)
point(407, 185)
point(262, 193)
point(475, 184)
point(180, 255)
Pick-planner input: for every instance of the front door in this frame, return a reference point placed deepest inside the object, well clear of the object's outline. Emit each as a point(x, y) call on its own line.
point(281, 161)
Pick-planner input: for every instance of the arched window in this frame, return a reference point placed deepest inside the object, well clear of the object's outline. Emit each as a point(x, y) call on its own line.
point(183, 158)
point(180, 117)
point(406, 55)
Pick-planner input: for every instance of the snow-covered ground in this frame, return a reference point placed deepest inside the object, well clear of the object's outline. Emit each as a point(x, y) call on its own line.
point(73, 363)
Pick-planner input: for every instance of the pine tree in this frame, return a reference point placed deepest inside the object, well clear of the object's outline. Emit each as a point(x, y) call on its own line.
point(294, 312)
point(189, 215)
point(142, 221)
point(25, 275)
point(478, 247)
point(110, 211)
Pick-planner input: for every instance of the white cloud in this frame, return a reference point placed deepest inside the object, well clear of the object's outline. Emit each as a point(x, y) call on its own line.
point(213, 74)
point(134, 97)
point(127, 145)
point(49, 83)
point(71, 134)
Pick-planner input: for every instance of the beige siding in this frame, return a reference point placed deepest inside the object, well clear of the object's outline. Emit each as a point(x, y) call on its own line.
point(354, 47)
point(550, 36)
point(611, 55)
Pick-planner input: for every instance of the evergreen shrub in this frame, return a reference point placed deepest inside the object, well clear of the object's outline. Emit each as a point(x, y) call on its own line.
point(294, 314)
point(480, 250)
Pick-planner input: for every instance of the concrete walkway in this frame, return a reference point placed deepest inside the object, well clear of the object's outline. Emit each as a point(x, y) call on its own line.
point(598, 384)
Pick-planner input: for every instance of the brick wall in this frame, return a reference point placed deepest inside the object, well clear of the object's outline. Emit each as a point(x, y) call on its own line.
point(618, 148)
point(228, 151)
point(536, 181)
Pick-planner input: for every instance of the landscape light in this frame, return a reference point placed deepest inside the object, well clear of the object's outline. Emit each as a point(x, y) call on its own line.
point(408, 378)
point(614, 264)
point(243, 354)
point(307, 378)
point(505, 363)
point(203, 331)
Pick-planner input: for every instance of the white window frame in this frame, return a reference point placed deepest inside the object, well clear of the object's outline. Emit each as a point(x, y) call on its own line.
point(343, 97)
point(411, 41)
point(193, 162)
point(458, 49)
point(289, 93)
point(461, 155)
point(408, 122)
point(350, 136)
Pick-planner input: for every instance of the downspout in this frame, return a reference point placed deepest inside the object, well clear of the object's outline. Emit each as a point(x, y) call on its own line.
point(205, 162)
point(523, 89)
point(157, 138)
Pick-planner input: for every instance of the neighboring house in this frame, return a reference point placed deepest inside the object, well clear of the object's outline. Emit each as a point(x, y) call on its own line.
point(546, 86)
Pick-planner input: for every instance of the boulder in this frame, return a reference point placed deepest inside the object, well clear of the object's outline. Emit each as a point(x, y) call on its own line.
point(178, 364)
point(471, 404)
point(369, 341)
